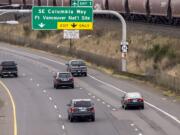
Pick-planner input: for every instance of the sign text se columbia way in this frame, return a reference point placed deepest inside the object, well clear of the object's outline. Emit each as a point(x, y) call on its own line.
point(53, 18)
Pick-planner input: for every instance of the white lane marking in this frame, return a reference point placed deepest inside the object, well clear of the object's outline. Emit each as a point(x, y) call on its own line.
point(108, 106)
point(151, 105)
point(50, 98)
point(60, 116)
point(63, 127)
point(98, 99)
point(163, 98)
point(174, 100)
point(37, 85)
point(114, 109)
point(167, 114)
point(80, 88)
point(55, 106)
point(31, 79)
point(107, 84)
point(132, 124)
point(44, 91)
point(94, 96)
point(140, 134)
point(136, 129)
point(103, 102)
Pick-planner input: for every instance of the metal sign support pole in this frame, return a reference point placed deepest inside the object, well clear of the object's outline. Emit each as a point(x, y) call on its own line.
point(124, 34)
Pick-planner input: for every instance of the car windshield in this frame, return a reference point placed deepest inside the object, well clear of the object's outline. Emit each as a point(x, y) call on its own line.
point(134, 95)
point(64, 75)
point(8, 63)
point(82, 104)
point(78, 63)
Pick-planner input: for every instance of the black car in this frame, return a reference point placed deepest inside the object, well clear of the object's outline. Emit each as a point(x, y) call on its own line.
point(132, 99)
point(81, 108)
point(63, 79)
point(8, 68)
point(77, 67)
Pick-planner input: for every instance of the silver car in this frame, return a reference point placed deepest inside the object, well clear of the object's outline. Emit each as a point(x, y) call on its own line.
point(132, 99)
point(77, 67)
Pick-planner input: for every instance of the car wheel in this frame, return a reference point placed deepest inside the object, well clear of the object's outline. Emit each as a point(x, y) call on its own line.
point(93, 118)
point(85, 74)
point(2, 76)
point(55, 86)
point(72, 86)
point(125, 107)
point(71, 119)
point(142, 107)
point(68, 117)
point(122, 106)
point(15, 75)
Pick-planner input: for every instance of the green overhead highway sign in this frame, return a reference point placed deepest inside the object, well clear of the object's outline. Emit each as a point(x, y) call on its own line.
point(53, 18)
point(82, 3)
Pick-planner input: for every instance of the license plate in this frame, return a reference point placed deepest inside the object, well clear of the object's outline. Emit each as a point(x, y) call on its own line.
point(64, 79)
point(135, 100)
point(83, 109)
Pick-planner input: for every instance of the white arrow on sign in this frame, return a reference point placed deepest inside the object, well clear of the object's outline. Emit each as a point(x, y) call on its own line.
point(41, 25)
point(75, 4)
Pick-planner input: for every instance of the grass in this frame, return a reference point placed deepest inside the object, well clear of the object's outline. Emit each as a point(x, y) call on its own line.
point(147, 51)
point(169, 93)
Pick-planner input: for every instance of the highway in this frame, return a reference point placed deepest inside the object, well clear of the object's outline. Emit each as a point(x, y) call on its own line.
point(42, 110)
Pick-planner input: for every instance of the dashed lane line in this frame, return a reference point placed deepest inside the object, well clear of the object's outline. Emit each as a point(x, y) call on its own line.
point(94, 78)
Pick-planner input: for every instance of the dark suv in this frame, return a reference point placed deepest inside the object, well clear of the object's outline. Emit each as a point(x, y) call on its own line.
point(77, 67)
point(8, 68)
point(81, 108)
point(63, 79)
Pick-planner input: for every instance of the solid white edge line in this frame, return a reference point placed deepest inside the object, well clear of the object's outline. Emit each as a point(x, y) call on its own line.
point(151, 105)
point(107, 84)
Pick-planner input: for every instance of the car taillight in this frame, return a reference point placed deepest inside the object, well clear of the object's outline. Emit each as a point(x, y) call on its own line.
point(71, 79)
point(72, 109)
point(140, 100)
point(92, 109)
point(129, 100)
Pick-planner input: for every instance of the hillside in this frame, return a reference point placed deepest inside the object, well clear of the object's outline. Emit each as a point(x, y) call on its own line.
point(150, 47)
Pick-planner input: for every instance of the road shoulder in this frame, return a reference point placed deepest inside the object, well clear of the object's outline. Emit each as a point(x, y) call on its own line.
point(6, 113)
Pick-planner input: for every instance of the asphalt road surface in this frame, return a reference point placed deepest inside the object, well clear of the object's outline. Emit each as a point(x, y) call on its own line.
point(42, 110)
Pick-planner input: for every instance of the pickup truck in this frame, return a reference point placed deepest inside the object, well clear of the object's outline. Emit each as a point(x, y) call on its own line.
point(8, 68)
point(77, 67)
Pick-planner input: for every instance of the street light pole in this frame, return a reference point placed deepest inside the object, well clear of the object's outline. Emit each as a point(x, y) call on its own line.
point(124, 35)
point(12, 5)
point(62, 2)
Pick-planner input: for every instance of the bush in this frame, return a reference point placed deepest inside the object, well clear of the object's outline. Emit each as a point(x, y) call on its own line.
point(27, 30)
point(159, 52)
point(43, 34)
